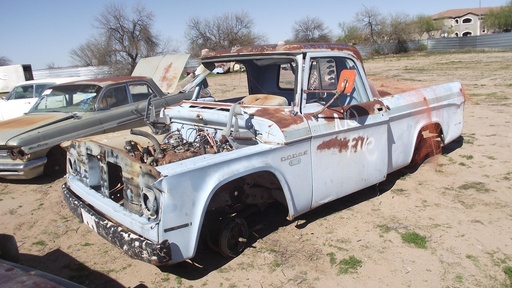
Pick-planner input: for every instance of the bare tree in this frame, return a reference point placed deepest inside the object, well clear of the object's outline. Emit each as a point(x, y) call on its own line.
point(310, 29)
point(122, 41)
point(397, 29)
point(4, 61)
point(225, 31)
point(94, 52)
point(370, 21)
point(51, 65)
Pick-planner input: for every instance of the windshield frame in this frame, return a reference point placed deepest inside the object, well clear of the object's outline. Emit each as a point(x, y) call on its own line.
point(68, 99)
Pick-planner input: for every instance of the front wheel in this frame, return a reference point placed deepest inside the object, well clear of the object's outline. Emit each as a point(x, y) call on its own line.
point(233, 237)
point(56, 162)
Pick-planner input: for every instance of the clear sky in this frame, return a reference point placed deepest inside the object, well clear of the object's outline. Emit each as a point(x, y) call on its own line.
point(42, 32)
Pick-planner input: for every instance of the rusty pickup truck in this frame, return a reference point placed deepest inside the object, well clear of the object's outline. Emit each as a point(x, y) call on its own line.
point(299, 125)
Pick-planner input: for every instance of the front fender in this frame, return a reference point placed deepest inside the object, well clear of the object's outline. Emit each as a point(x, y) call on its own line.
point(187, 194)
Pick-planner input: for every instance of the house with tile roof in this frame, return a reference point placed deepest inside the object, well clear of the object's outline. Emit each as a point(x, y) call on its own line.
point(462, 22)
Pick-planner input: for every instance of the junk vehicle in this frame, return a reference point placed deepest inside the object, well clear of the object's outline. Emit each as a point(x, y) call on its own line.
point(30, 144)
point(307, 128)
point(11, 75)
point(25, 94)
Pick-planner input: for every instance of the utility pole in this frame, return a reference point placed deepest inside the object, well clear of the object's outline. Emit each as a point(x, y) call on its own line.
point(479, 17)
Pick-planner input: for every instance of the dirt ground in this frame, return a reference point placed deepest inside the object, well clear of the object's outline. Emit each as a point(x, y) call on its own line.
point(459, 201)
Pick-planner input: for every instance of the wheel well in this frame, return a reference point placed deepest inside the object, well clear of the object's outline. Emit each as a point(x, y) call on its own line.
point(56, 162)
point(429, 142)
point(433, 128)
point(236, 204)
point(259, 188)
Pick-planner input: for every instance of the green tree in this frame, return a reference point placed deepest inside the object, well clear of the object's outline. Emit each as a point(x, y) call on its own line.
point(350, 34)
point(499, 19)
point(424, 24)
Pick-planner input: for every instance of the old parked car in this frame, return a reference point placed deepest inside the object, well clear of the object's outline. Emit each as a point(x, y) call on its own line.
point(25, 94)
point(30, 144)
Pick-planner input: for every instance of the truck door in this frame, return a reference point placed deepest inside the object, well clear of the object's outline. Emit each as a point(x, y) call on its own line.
point(349, 136)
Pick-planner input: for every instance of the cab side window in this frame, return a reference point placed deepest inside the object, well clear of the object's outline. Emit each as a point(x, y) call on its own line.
point(323, 80)
point(140, 91)
point(114, 97)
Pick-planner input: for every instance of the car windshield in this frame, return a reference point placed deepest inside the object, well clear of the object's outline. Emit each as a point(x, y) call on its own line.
point(27, 91)
point(67, 98)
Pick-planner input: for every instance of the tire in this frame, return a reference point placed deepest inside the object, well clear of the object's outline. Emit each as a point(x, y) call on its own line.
point(9, 248)
point(233, 237)
point(56, 163)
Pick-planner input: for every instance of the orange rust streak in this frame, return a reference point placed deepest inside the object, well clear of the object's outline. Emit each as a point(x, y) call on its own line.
point(358, 143)
point(165, 78)
point(282, 119)
point(335, 143)
point(343, 145)
point(24, 121)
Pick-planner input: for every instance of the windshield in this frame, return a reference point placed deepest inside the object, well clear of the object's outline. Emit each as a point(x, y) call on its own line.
point(27, 91)
point(68, 98)
point(234, 80)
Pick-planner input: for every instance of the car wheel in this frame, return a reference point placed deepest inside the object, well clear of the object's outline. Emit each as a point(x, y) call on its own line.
point(233, 237)
point(56, 164)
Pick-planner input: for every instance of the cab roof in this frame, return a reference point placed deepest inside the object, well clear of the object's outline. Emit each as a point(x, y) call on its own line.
point(280, 48)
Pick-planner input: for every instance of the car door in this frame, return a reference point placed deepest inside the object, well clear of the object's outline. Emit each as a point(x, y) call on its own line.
point(349, 136)
point(116, 109)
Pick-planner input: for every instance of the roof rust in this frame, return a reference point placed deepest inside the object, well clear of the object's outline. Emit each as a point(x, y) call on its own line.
point(282, 48)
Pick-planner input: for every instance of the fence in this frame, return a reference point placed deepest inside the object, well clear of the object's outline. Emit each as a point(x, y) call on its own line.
point(498, 41)
point(86, 72)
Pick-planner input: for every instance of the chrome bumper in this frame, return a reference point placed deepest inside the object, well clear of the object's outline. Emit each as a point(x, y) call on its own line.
point(25, 170)
point(132, 244)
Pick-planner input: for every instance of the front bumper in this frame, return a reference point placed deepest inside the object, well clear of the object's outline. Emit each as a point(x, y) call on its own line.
point(24, 170)
point(132, 244)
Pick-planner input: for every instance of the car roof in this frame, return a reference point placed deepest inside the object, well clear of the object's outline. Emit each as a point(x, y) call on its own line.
point(108, 80)
point(51, 80)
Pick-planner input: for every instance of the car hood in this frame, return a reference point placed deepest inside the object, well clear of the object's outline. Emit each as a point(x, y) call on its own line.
point(20, 125)
point(166, 70)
